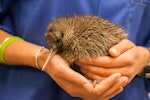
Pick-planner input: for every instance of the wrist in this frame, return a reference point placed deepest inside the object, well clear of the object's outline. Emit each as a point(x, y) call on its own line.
point(43, 55)
point(21, 52)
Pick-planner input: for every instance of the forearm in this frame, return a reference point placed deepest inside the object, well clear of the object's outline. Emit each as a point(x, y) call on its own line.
point(21, 52)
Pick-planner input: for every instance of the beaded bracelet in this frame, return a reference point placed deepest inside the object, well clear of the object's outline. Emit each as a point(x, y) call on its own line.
point(4, 45)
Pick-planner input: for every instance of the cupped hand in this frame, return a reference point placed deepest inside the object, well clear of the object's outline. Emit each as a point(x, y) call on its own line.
point(78, 86)
point(125, 58)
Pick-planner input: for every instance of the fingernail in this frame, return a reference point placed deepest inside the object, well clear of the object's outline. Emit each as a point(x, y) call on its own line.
point(118, 74)
point(114, 51)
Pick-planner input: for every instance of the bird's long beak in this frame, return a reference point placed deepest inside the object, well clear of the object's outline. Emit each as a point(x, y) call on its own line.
point(51, 54)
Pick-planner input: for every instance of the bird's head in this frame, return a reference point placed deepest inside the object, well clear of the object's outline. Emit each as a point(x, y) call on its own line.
point(59, 33)
point(54, 39)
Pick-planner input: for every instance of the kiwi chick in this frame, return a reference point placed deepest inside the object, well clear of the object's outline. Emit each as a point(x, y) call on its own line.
point(83, 37)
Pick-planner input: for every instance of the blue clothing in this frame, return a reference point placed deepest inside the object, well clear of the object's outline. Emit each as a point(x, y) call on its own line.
point(29, 19)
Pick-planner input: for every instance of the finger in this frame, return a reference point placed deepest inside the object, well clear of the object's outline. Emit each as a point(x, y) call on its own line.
point(121, 47)
point(115, 93)
point(104, 85)
point(116, 88)
point(94, 76)
point(99, 73)
point(104, 61)
point(96, 73)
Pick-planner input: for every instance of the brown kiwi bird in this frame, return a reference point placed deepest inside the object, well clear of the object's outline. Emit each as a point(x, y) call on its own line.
point(83, 37)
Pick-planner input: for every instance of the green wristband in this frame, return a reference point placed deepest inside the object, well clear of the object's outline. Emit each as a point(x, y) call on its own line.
point(4, 44)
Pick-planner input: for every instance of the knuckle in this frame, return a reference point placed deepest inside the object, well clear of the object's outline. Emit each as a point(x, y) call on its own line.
point(107, 60)
point(129, 73)
point(130, 60)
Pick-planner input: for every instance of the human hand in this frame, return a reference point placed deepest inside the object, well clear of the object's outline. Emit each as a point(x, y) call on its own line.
point(126, 58)
point(78, 86)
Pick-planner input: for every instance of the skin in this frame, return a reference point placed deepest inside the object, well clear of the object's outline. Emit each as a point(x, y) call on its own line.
point(126, 58)
point(72, 82)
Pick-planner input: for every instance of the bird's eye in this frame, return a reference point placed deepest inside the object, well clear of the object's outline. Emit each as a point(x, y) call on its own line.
point(58, 40)
point(50, 30)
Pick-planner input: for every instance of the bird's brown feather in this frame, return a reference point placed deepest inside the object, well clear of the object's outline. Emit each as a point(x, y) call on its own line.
point(83, 36)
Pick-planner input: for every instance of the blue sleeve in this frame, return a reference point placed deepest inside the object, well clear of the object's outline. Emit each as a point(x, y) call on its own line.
point(147, 81)
point(4, 9)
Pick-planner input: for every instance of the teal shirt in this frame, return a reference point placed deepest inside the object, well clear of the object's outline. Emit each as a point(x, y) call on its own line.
point(29, 19)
